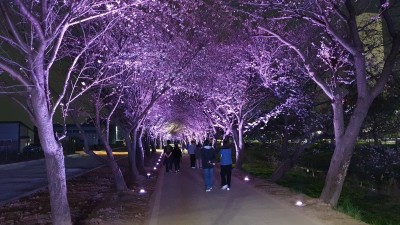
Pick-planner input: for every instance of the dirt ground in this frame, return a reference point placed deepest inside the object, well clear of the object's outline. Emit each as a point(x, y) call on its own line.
point(93, 200)
point(311, 206)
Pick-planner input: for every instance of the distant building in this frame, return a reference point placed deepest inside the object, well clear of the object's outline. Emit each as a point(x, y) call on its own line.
point(14, 136)
point(73, 140)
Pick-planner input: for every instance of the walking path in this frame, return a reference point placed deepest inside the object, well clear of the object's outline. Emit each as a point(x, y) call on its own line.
point(180, 198)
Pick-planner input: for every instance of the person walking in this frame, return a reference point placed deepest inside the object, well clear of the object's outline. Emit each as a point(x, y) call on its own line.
point(197, 153)
point(226, 165)
point(168, 156)
point(191, 152)
point(208, 162)
point(177, 157)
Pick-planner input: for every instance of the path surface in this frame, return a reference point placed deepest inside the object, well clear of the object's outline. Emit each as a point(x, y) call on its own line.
point(180, 198)
point(21, 179)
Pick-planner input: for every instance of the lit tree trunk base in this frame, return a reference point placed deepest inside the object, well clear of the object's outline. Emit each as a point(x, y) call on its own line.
point(56, 177)
point(336, 175)
point(119, 180)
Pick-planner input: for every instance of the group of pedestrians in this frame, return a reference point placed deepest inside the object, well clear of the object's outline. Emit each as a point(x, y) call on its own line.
point(172, 157)
point(208, 162)
point(194, 152)
point(204, 157)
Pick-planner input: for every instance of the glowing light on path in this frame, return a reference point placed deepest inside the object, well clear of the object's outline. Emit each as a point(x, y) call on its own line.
point(299, 203)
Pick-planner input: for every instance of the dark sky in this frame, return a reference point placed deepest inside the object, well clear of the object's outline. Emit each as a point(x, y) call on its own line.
point(11, 111)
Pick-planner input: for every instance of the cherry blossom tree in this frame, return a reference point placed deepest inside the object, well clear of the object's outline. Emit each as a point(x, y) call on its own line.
point(282, 72)
point(33, 36)
point(104, 110)
point(231, 93)
point(352, 46)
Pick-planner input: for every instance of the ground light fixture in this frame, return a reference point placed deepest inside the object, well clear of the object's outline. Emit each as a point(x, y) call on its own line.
point(154, 168)
point(299, 203)
point(148, 175)
point(142, 191)
point(157, 164)
point(246, 178)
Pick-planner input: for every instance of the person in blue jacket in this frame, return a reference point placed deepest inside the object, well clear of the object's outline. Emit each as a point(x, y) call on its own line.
point(226, 165)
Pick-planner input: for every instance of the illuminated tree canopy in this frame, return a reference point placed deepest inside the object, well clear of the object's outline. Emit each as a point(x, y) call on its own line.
point(196, 69)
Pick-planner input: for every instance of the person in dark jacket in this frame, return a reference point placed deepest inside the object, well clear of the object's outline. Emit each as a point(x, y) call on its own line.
point(168, 156)
point(177, 157)
point(191, 151)
point(208, 157)
point(198, 155)
point(226, 165)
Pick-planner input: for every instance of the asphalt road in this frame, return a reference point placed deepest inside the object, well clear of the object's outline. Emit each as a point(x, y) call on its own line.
point(180, 198)
point(22, 179)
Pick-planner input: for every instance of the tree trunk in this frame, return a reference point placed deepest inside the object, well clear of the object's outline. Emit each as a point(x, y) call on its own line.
point(285, 141)
point(54, 158)
point(119, 180)
point(345, 140)
point(86, 148)
point(239, 145)
point(118, 177)
point(290, 161)
point(140, 152)
point(132, 156)
point(160, 142)
point(336, 174)
point(153, 143)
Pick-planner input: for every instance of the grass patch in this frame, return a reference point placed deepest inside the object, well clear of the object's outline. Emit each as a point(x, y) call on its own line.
point(357, 202)
point(258, 170)
point(350, 209)
point(306, 184)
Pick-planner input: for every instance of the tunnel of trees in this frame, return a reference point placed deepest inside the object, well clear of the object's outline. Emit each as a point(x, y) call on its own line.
point(295, 71)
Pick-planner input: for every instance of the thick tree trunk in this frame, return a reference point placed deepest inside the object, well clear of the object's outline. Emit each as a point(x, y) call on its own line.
point(345, 140)
point(54, 158)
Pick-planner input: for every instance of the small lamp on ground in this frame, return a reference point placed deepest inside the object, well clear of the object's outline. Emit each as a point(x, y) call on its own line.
point(299, 203)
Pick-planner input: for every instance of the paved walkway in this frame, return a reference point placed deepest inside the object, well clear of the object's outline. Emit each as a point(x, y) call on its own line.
point(180, 198)
point(22, 179)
